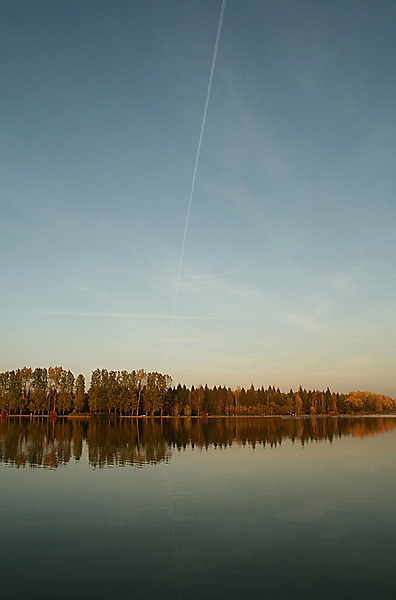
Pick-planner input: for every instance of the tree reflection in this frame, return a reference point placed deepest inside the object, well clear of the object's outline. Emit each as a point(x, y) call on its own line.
point(138, 442)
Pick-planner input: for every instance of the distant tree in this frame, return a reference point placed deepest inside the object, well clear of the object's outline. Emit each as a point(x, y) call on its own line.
point(127, 392)
point(354, 402)
point(14, 392)
point(95, 392)
point(140, 379)
point(79, 394)
point(298, 404)
point(25, 375)
point(290, 402)
point(54, 386)
point(66, 392)
point(196, 400)
point(38, 403)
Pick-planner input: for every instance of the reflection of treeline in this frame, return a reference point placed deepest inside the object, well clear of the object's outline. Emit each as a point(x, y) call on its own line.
point(49, 443)
point(124, 443)
point(223, 432)
point(134, 393)
point(136, 442)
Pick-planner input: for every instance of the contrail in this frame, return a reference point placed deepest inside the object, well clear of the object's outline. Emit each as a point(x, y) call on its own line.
point(216, 47)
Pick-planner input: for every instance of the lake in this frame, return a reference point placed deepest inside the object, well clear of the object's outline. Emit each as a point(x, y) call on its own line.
point(191, 508)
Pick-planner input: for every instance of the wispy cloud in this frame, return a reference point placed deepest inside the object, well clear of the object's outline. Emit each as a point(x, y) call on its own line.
point(118, 315)
point(346, 281)
point(85, 288)
point(357, 361)
point(310, 324)
point(208, 278)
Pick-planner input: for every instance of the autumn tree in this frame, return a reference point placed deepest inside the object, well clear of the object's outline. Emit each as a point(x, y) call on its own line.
point(66, 392)
point(79, 394)
point(38, 402)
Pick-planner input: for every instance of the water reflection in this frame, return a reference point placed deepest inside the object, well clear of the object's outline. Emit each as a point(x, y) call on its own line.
point(138, 442)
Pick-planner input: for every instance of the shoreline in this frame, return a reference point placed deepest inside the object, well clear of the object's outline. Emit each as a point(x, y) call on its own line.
point(205, 417)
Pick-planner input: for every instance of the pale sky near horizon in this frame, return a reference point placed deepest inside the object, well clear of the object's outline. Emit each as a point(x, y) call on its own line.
point(288, 273)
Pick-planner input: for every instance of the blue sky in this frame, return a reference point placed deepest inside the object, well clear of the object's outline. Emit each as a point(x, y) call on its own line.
point(288, 270)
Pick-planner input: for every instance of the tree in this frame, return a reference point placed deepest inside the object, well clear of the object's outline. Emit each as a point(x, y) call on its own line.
point(54, 386)
point(38, 394)
point(127, 400)
point(298, 404)
point(196, 400)
point(140, 382)
point(290, 402)
point(66, 392)
point(154, 392)
point(79, 394)
point(14, 392)
point(95, 390)
point(25, 375)
point(353, 402)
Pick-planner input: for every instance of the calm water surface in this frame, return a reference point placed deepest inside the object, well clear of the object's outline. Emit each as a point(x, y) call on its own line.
point(189, 509)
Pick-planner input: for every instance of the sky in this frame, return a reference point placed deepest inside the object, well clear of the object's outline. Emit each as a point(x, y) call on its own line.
point(287, 253)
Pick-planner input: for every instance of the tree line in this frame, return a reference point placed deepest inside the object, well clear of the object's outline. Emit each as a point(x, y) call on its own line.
point(57, 391)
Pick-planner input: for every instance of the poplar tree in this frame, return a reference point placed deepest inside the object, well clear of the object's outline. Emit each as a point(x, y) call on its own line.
point(79, 394)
